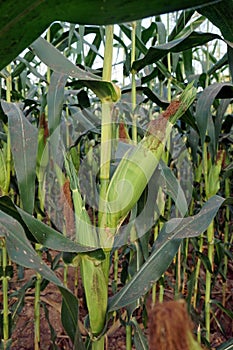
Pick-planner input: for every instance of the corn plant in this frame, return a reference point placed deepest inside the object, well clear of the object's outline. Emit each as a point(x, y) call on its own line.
point(98, 175)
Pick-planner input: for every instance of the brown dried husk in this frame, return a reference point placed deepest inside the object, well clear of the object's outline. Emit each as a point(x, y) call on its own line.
point(68, 210)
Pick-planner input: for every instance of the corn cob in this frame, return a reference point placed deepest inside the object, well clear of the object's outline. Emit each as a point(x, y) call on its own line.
point(137, 166)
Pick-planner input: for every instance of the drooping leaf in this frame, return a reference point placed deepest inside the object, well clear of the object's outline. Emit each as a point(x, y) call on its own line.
point(228, 312)
point(69, 318)
point(43, 233)
point(228, 345)
point(186, 42)
point(20, 251)
point(51, 238)
point(204, 103)
point(55, 100)
point(181, 22)
point(59, 63)
point(140, 340)
point(23, 137)
point(164, 250)
point(150, 94)
point(21, 32)
point(54, 59)
point(221, 15)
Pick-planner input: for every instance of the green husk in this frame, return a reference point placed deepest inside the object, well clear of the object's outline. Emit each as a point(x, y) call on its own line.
point(139, 163)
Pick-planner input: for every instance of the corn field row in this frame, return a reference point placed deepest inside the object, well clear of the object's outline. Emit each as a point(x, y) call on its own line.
point(116, 164)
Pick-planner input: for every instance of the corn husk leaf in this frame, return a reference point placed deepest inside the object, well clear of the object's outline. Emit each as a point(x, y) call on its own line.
point(137, 166)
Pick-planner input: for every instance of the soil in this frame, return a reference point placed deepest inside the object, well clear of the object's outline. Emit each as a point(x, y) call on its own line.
point(23, 331)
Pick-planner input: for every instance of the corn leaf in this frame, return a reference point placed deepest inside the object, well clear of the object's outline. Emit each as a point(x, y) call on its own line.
point(43, 233)
point(21, 32)
point(181, 23)
point(203, 109)
point(55, 100)
point(188, 41)
point(221, 15)
point(140, 340)
point(69, 318)
point(164, 250)
point(20, 249)
point(228, 345)
point(23, 137)
point(59, 63)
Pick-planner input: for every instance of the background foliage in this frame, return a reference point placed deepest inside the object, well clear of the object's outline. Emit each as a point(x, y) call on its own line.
point(54, 107)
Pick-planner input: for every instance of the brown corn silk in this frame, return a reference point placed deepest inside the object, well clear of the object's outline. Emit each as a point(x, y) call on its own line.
point(170, 327)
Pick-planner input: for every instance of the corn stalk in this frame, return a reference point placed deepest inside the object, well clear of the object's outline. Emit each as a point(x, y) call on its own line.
point(212, 185)
point(4, 188)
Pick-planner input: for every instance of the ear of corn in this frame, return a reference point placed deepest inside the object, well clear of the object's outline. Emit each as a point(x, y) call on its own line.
point(139, 163)
point(94, 276)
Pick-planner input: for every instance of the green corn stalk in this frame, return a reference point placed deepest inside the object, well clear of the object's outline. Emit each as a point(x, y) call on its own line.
point(94, 267)
point(4, 183)
point(95, 272)
point(133, 89)
point(134, 138)
point(5, 154)
point(38, 247)
point(226, 241)
point(198, 174)
point(139, 163)
point(212, 185)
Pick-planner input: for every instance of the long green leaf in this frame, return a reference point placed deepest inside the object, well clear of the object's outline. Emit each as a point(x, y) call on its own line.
point(59, 63)
point(221, 15)
point(55, 100)
point(228, 345)
point(51, 238)
point(181, 22)
point(164, 250)
point(54, 59)
point(23, 137)
point(140, 340)
point(69, 317)
point(20, 251)
point(204, 103)
point(43, 233)
point(22, 24)
point(186, 42)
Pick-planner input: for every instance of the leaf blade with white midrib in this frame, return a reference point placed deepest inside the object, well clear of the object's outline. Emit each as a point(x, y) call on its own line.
point(55, 100)
point(188, 41)
point(164, 250)
point(23, 136)
point(54, 59)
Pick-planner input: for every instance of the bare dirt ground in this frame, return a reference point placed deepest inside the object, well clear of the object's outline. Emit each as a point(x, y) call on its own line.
point(23, 331)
